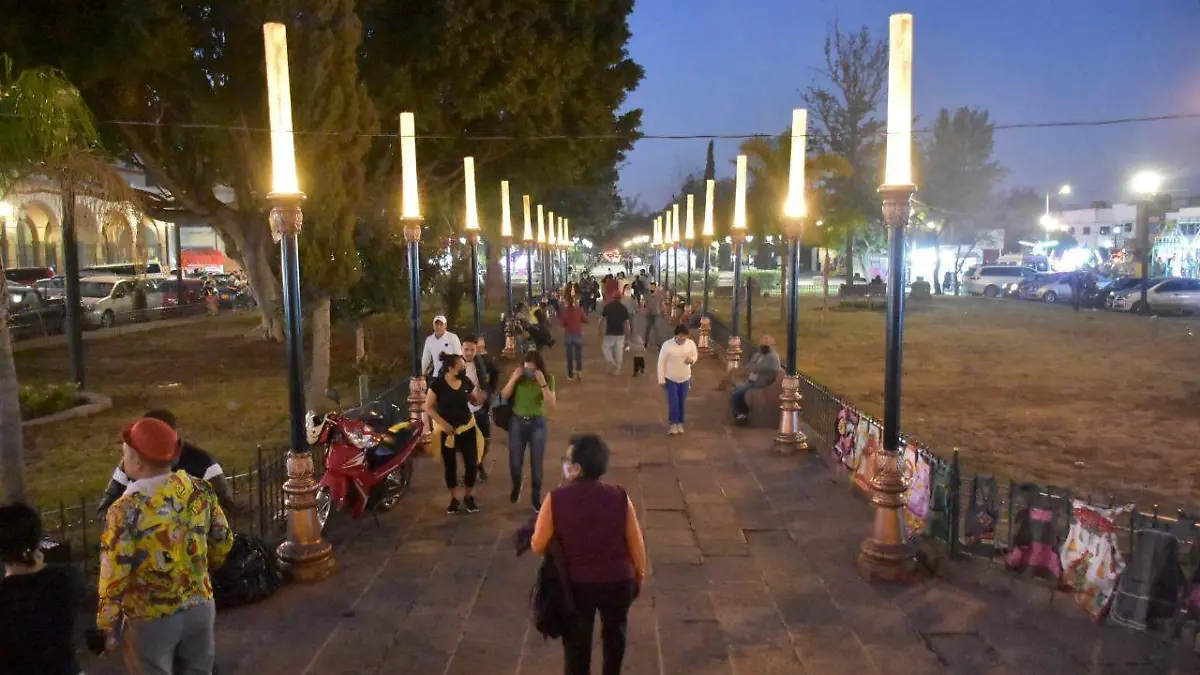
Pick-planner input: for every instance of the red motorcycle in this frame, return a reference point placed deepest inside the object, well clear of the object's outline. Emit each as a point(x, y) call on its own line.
point(368, 458)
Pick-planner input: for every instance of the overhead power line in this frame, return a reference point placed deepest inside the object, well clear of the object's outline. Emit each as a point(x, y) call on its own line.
point(1062, 124)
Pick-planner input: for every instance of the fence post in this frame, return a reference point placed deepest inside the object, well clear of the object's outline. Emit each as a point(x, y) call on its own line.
point(749, 310)
point(955, 502)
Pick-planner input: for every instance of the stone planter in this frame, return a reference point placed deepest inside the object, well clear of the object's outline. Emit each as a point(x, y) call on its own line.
point(90, 403)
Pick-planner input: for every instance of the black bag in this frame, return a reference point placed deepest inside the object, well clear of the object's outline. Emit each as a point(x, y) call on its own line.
point(502, 412)
point(553, 604)
point(250, 574)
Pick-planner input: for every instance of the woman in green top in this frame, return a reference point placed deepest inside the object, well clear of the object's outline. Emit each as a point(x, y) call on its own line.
point(530, 390)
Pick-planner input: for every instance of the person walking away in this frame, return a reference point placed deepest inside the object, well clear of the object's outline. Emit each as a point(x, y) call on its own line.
point(572, 318)
point(1090, 292)
point(763, 369)
point(448, 404)
point(196, 462)
point(654, 311)
point(211, 299)
point(675, 361)
point(1076, 283)
point(604, 551)
point(530, 390)
point(441, 341)
point(37, 602)
point(613, 330)
point(483, 372)
point(160, 541)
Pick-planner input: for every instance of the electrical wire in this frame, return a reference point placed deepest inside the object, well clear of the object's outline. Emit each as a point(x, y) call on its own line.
point(629, 137)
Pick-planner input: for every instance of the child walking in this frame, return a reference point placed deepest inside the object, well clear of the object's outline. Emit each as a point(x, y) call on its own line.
point(638, 350)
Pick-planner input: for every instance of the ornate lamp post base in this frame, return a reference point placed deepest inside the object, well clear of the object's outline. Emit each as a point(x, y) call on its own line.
point(733, 353)
point(704, 344)
point(510, 337)
point(417, 389)
point(309, 557)
point(887, 555)
point(789, 419)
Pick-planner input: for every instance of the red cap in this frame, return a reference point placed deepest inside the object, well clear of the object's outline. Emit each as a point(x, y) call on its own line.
point(153, 439)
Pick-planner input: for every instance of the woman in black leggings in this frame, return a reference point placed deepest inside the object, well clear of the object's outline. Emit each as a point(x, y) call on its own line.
point(448, 406)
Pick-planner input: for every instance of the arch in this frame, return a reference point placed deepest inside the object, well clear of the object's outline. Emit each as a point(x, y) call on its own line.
point(45, 222)
point(28, 243)
point(87, 237)
point(117, 239)
point(150, 243)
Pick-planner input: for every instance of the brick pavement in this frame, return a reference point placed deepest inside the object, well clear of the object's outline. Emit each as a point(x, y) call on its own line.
point(752, 571)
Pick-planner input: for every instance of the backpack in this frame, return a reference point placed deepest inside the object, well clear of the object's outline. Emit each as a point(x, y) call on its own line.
point(250, 574)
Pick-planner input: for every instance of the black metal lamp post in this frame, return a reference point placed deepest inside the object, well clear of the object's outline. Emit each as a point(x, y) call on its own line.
point(733, 350)
point(795, 211)
point(308, 555)
point(473, 230)
point(887, 554)
point(506, 234)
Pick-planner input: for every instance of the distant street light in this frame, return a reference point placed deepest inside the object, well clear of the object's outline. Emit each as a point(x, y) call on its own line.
point(1147, 183)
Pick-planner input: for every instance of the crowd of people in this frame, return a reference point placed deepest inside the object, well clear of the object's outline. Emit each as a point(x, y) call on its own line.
point(166, 530)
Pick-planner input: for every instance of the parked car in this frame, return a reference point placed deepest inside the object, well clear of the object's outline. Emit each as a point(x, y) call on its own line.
point(121, 270)
point(54, 287)
point(1021, 289)
point(1058, 288)
point(989, 280)
point(26, 276)
point(1123, 287)
point(31, 315)
point(109, 300)
point(193, 292)
point(1173, 295)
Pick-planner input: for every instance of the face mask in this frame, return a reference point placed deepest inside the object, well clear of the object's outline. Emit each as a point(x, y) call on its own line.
point(569, 470)
point(766, 349)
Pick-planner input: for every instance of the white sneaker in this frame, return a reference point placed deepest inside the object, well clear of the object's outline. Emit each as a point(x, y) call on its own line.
point(679, 428)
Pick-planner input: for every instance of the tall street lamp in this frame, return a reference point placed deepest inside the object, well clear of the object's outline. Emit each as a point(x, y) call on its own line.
point(1147, 184)
point(689, 235)
point(656, 243)
point(548, 255)
point(675, 242)
point(706, 237)
point(1047, 221)
point(733, 351)
point(305, 551)
point(472, 228)
point(411, 223)
point(887, 554)
point(794, 212)
point(529, 243)
point(506, 235)
point(541, 242)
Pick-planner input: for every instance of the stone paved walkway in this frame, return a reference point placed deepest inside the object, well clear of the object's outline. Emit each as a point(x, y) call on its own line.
point(752, 572)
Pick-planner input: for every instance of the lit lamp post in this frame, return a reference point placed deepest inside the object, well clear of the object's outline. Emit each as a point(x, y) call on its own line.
point(1147, 184)
point(668, 246)
point(656, 243)
point(541, 242)
point(733, 350)
point(472, 228)
point(411, 223)
point(305, 551)
point(566, 244)
point(706, 237)
point(689, 235)
point(886, 555)
point(506, 235)
point(794, 212)
point(1048, 221)
point(675, 242)
point(529, 244)
point(548, 255)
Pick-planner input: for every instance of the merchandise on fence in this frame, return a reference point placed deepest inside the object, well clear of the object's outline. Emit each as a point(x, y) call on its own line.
point(1148, 594)
point(917, 473)
point(868, 452)
point(1035, 542)
point(979, 528)
point(938, 519)
point(847, 424)
point(1091, 557)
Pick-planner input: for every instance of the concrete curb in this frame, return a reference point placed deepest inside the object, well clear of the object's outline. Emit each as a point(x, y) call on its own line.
point(93, 404)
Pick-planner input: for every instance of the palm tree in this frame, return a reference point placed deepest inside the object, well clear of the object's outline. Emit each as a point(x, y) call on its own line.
point(45, 129)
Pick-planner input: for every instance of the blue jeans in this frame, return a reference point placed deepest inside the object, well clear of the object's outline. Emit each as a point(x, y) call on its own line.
point(737, 398)
point(676, 399)
point(527, 432)
point(574, 344)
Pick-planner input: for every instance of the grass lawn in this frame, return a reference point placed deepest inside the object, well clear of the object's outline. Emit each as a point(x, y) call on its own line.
point(1098, 401)
point(229, 392)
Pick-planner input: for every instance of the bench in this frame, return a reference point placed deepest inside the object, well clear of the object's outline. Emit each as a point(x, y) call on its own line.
point(862, 295)
point(764, 401)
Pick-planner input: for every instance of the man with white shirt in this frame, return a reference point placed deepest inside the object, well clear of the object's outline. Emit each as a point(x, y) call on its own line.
point(440, 342)
point(675, 360)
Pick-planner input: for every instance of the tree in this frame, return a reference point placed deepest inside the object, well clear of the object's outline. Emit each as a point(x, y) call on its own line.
point(844, 112)
point(1018, 211)
point(959, 179)
point(45, 128)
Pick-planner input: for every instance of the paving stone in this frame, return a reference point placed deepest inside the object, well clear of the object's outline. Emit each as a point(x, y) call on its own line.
point(673, 554)
point(724, 569)
point(667, 520)
point(764, 661)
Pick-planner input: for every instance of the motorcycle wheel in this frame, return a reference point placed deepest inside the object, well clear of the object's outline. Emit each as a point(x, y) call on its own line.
point(396, 485)
point(324, 507)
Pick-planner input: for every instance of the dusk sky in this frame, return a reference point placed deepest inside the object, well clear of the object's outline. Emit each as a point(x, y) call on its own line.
point(724, 66)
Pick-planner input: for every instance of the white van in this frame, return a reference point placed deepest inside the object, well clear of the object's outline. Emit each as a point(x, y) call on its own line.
point(990, 280)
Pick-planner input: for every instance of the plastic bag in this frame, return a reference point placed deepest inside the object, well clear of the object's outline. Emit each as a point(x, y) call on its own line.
point(250, 574)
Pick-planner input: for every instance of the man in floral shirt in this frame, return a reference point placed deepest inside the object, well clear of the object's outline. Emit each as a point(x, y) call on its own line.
point(160, 540)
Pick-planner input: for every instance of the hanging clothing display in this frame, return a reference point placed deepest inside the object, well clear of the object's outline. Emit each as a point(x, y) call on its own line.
point(916, 472)
point(865, 467)
point(1149, 592)
point(1035, 542)
point(847, 427)
point(1091, 558)
point(983, 510)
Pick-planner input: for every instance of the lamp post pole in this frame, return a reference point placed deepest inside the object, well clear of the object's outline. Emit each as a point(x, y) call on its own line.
point(474, 238)
point(706, 322)
point(789, 393)
point(887, 554)
point(529, 272)
point(417, 386)
point(733, 350)
point(510, 335)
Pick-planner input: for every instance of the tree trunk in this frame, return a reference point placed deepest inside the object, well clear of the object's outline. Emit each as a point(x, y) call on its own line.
point(12, 440)
point(318, 373)
point(825, 283)
point(850, 257)
point(252, 237)
point(360, 342)
point(937, 264)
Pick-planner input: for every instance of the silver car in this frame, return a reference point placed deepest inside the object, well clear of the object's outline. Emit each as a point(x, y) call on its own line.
point(1058, 288)
point(1173, 295)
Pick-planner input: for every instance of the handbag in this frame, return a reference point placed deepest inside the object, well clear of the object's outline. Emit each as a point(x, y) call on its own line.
point(502, 412)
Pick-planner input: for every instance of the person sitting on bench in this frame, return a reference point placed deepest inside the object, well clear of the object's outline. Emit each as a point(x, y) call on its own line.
point(764, 368)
